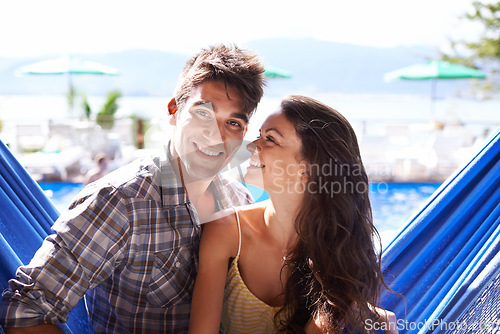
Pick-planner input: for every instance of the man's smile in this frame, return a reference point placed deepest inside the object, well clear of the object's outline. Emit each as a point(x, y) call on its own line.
point(209, 151)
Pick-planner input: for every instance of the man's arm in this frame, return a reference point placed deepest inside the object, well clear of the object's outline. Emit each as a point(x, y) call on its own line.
point(89, 240)
point(38, 329)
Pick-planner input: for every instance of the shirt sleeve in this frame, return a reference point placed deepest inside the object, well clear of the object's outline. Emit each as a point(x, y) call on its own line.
point(242, 195)
point(89, 242)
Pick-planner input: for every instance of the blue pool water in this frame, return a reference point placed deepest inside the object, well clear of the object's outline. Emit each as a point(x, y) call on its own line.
point(392, 203)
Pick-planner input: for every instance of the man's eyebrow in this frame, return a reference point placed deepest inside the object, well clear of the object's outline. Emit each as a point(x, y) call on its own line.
point(207, 105)
point(273, 129)
point(240, 115)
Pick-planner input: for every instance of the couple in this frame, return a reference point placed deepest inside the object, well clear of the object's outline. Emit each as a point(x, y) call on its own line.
point(129, 242)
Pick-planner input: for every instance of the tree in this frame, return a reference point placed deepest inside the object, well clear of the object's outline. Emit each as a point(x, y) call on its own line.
point(86, 107)
point(485, 52)
point(106, 116)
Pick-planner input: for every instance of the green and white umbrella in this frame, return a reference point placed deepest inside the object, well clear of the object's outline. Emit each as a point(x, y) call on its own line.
point(273, 72)
point(434, 70)
point(68, 66)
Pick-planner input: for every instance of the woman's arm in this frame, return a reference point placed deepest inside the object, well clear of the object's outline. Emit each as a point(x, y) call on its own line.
point(314, 325)
point(389, 318)
point(218, 244)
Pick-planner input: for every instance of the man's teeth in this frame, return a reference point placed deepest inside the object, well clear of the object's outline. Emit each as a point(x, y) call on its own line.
point(256, 164)
point(208, 152)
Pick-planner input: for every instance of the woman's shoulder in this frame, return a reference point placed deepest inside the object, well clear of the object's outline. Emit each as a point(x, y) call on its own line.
point(226, 222)
point(252, 210)
point(220, 234)
point(228, 216)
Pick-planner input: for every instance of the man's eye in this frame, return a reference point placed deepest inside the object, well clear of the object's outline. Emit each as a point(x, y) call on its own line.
point(235, 124)
point(202, 114)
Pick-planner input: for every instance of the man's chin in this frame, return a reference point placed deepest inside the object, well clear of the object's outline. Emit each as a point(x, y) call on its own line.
point(202, 173)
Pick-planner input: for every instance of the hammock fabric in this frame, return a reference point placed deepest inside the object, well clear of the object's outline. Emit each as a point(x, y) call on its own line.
point(26, 215)
point(446, 261)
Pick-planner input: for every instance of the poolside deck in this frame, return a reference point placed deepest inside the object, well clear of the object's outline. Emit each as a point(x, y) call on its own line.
point(395, 152)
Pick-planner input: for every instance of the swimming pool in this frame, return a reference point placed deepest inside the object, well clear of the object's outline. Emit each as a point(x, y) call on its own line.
point(392, 203)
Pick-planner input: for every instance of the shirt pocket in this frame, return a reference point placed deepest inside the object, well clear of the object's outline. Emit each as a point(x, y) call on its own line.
point(172, 277)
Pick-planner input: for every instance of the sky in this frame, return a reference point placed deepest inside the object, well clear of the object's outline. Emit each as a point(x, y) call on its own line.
point(34, 28)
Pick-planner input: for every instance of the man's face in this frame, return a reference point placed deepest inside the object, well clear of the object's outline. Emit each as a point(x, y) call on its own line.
point(209, 129)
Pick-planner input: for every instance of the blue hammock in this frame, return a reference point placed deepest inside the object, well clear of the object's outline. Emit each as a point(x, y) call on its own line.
point(446, 261)
point(26, 216)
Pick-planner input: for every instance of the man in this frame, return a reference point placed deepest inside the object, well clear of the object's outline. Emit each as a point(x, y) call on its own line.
point(129, 241)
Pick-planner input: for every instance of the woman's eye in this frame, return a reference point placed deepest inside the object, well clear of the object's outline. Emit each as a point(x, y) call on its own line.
point(271, 139)
point(268, 138)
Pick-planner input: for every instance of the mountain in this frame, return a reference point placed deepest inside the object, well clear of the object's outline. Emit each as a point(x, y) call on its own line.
point(142, 73)
point(320, 66)
point(316, 67)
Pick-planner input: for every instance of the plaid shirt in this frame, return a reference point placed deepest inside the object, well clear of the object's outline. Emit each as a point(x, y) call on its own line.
point(129, 242)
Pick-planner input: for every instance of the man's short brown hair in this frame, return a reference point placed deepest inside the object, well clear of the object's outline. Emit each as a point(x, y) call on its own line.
point(235, 67)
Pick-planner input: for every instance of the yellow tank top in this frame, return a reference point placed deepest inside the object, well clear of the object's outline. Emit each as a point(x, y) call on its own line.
point(242, 311)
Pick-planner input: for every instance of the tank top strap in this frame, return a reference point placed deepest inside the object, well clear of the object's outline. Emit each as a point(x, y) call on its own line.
point(239, 231)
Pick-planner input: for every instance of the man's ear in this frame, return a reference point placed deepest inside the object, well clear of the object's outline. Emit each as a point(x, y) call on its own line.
point(172, 110)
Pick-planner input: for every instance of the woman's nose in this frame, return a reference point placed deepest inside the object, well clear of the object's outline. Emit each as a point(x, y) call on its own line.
point(251, 147)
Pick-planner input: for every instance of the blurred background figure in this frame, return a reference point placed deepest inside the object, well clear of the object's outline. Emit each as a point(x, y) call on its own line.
point(101, 169)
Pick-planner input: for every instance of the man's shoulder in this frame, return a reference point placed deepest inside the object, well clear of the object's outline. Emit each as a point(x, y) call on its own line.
point(236, 190)
point(139, 178)
point(230, 182)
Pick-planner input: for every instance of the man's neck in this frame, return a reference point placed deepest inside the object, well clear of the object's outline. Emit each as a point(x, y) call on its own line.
point(201, 197)
point(194, 187)
point(198, 191)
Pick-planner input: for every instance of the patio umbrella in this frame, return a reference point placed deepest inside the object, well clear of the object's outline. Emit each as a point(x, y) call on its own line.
point(67, 65)
point(273, 72)
point(434, 70)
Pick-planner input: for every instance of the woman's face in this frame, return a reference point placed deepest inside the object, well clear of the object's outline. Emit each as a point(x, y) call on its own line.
point(276, 164)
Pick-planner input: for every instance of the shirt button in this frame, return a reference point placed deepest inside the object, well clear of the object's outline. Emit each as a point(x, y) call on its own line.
point(177, 265)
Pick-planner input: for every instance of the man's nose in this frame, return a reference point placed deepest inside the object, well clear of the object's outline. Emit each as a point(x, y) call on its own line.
point(213, 133)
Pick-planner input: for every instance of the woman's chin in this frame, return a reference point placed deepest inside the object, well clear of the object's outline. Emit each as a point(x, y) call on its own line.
point(253, 178)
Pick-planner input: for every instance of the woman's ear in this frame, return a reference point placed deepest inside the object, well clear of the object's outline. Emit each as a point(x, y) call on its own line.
point(303, 171)
point(172, 110)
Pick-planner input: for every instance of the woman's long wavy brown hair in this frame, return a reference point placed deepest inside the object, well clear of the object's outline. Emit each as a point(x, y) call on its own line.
point(334, 268)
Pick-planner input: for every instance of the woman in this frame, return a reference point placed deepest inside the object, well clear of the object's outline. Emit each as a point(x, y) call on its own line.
point(304, 259)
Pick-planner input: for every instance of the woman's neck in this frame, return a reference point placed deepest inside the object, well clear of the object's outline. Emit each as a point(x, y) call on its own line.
point(279, 216)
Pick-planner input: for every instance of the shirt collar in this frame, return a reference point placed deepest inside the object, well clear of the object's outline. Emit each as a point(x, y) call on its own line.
point(174, 193)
